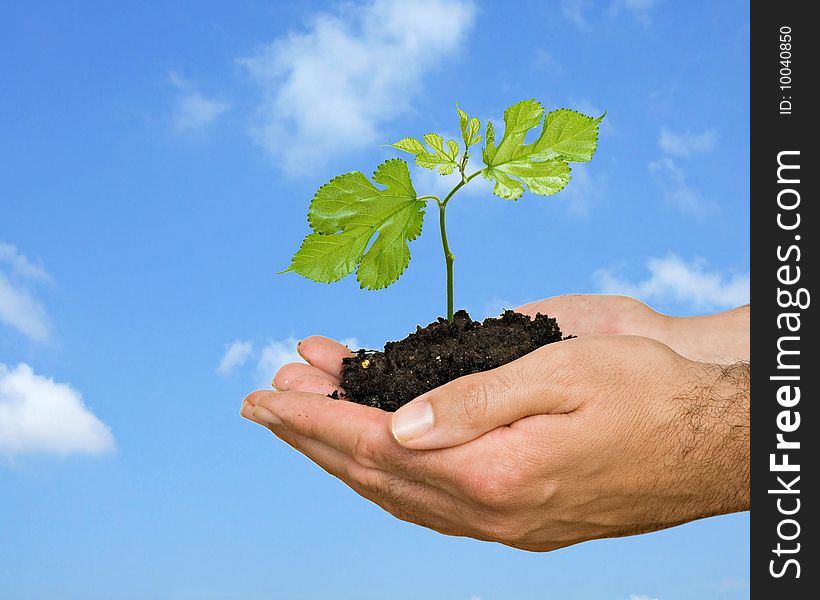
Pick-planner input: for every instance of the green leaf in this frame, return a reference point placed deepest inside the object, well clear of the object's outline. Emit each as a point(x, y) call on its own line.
point(566, 136)
point(569, 134)
point(445, 158)
point(347, 212)
point(469, 128)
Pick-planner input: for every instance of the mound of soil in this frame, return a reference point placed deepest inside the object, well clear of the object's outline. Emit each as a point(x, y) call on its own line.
point(442, 351)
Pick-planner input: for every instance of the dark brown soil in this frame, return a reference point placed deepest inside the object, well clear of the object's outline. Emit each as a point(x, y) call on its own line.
point(442, 351)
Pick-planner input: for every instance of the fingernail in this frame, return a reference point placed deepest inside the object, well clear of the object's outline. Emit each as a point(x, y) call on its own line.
point(412, 421)
point(260, 413)
point(244, 411)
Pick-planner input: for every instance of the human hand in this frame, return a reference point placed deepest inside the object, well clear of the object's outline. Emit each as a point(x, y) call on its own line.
point(719, 338)
point(607, 436)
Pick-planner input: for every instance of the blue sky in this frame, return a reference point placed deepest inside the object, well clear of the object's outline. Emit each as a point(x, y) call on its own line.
point(156, 162)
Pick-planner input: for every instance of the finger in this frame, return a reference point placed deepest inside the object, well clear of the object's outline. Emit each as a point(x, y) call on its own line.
point(330, 459)
point(314, 385)
point(405, 499)
point(324, 353)
point(470, 406)
point(423, 505)
point(577, 314)
point(361, 432)
point(597, 314)
point(293, 370)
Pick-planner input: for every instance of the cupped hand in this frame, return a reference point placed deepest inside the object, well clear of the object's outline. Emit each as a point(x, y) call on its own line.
point(718, 338)
point(593, 437)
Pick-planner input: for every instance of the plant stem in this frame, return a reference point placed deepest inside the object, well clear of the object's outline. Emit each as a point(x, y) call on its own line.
point(449, 257)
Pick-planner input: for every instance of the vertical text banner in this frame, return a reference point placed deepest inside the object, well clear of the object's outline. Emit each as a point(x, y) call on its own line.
point(784, 174)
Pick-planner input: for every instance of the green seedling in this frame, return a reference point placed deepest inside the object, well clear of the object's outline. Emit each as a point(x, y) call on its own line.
point(349, 211)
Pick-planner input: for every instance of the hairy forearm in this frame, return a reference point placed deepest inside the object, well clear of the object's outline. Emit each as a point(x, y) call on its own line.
point(713, 457)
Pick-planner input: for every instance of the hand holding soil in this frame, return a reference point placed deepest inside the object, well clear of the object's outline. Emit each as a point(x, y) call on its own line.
point(719, 338)
point(599, 436)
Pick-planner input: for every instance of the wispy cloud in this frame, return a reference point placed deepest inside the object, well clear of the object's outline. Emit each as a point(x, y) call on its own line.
point(671, 176)
point(236, 354)
point(576, 11)
point(193, 110)
point(427, 181)
point(733, 584)
point(689, 284)
point(686, 143)
point(41, 416)
point(660, 100)
point(641, 10)
point(493, 307)
point(19, 309)
point(273, 355)
point(590, 108)
point(641, 597)
point(546, 61)
point(583, 192)
point(276, 354)
point(19, 264)
point(329, 88)
point(672, 180)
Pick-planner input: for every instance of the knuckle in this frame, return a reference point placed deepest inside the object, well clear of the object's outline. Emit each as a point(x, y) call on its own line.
point(363, 448)
point(360, 477)
point(563, 356)
point(493, 488)
point(475, 399)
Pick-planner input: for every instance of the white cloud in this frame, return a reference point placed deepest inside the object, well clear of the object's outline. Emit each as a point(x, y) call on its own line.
point(676, 189)
point(641, 597)
point(236, 354)
point(193, 110)
point(278, 353)
point(689, 284)
point(328, 89)
point(19, 264)
point(273, 357)
point(40, 416)
point(686, 143)
point(19, 308)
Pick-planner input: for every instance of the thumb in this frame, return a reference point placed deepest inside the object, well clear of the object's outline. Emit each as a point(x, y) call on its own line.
point(470, 406)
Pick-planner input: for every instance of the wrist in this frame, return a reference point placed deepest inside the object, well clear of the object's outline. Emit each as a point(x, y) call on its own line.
point(722, 338)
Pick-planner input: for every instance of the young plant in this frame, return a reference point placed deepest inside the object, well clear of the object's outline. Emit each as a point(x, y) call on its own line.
point(348, 211)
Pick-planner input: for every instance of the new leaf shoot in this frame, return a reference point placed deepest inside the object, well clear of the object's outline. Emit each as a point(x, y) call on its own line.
point(360, 227)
